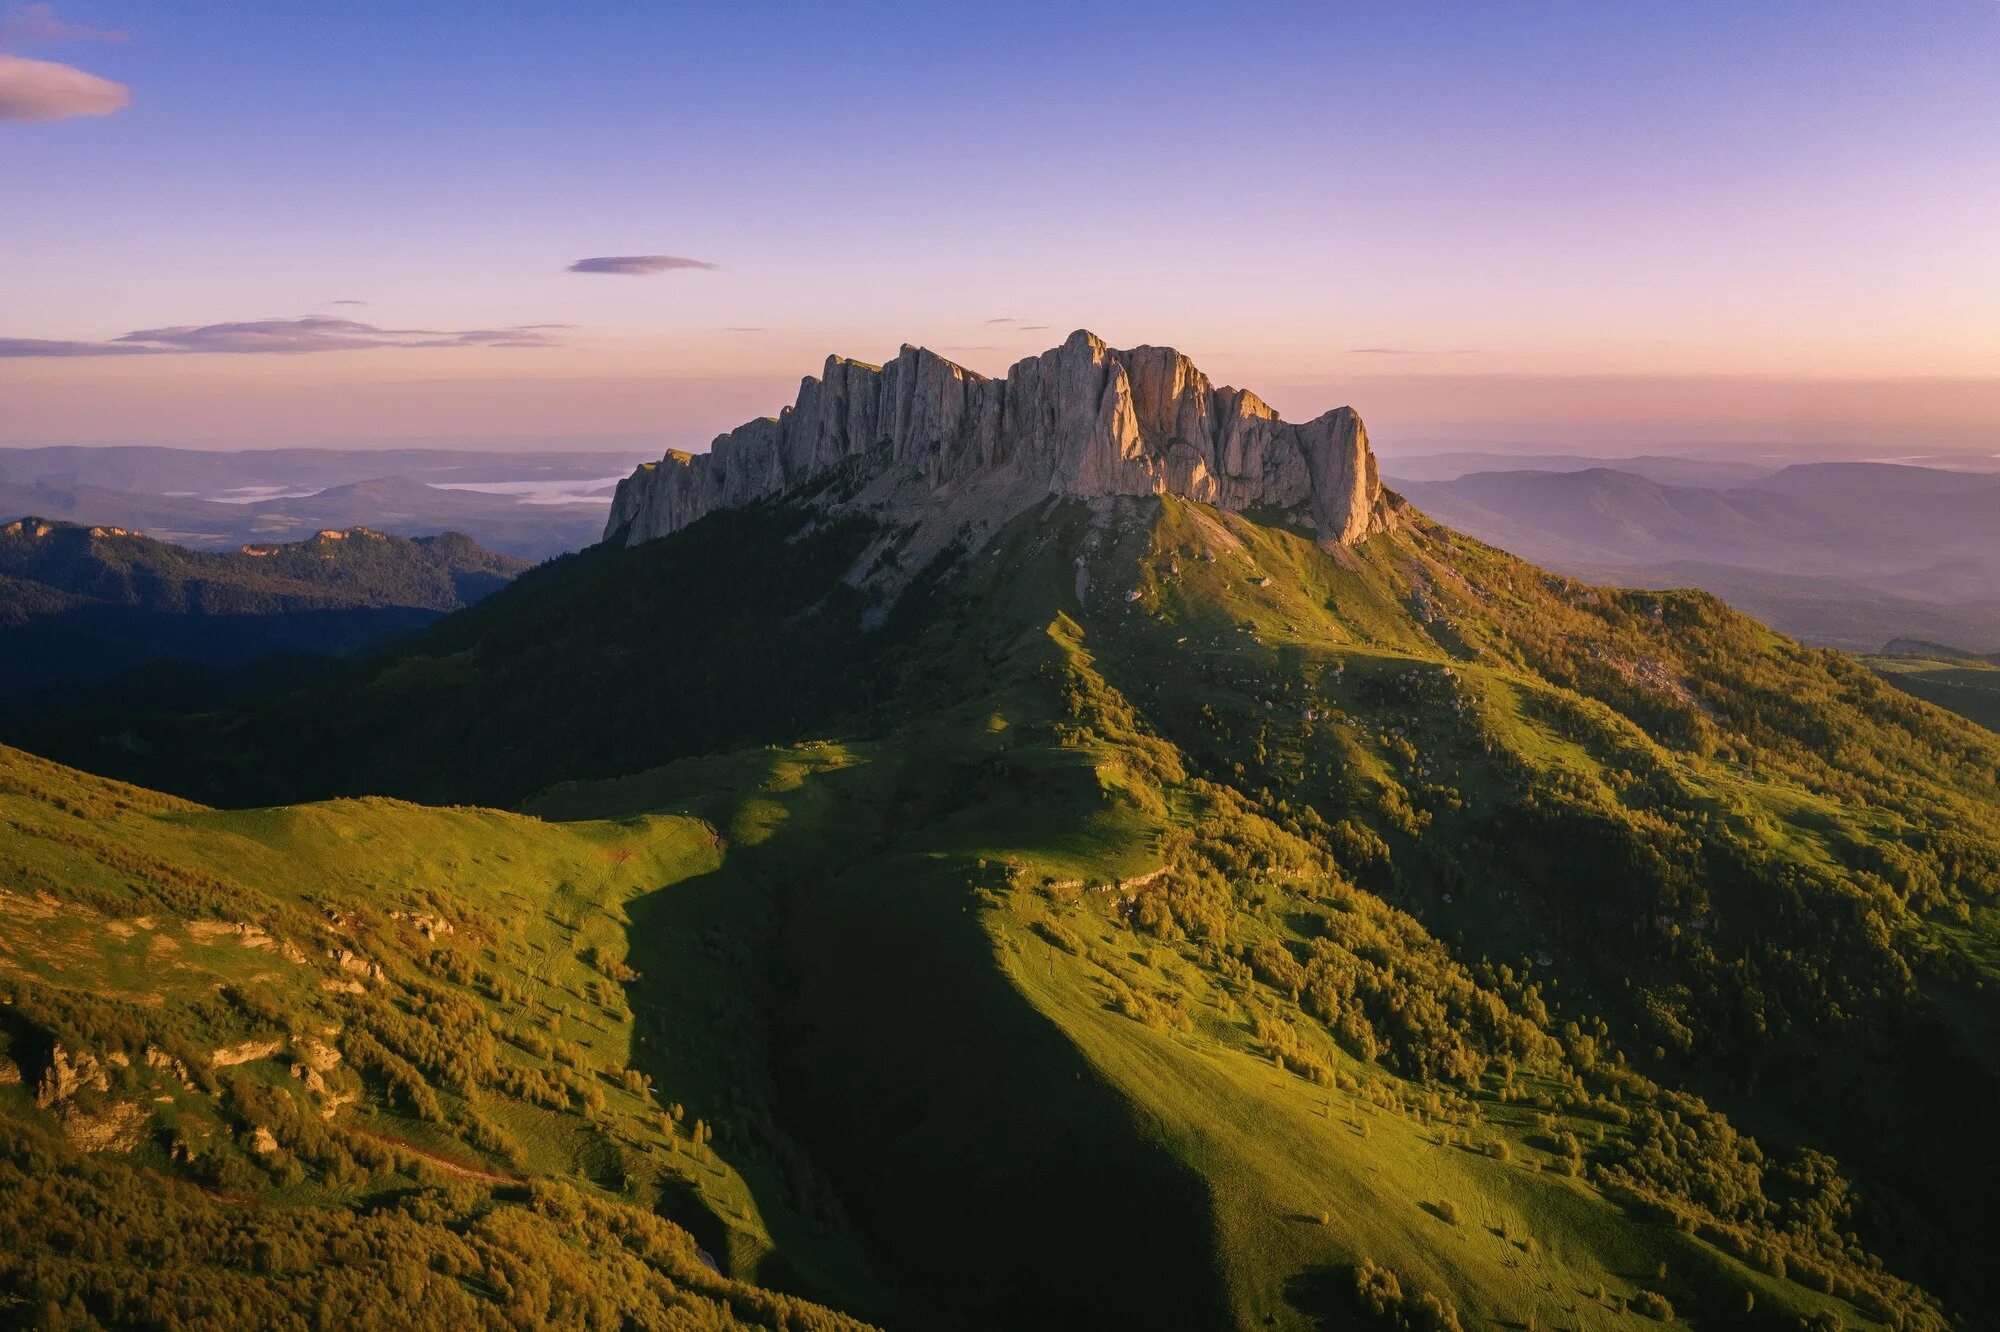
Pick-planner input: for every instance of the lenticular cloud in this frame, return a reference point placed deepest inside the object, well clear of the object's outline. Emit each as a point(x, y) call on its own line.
point(636, 265)
point(283, 337)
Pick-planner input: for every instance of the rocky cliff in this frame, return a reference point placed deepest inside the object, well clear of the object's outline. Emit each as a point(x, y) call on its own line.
point(1080, 420)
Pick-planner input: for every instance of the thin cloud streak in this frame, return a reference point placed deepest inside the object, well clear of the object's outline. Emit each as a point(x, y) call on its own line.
point(13, 348)
point(1408, 351)
point(637, 265)
point(38, 23)
point(281, 337)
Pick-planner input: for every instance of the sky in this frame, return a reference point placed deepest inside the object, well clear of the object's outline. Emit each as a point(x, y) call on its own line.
point(1608, 228)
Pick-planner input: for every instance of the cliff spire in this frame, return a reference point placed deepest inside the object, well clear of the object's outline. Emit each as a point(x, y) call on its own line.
point(1083, 419)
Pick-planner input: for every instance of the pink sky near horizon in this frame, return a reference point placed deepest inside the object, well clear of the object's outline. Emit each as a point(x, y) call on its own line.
point(1406, 412)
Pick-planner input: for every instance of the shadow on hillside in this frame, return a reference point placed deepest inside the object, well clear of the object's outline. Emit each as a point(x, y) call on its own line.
point(1325, 1295)
point(923, 1146)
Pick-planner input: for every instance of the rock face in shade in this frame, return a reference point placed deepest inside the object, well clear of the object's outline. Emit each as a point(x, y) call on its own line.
point(1082, 420)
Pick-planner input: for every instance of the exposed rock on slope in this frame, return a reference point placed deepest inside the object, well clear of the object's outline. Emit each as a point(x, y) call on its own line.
point(1082, 419)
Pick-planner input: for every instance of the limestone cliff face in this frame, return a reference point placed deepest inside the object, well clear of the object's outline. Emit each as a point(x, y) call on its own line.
point(1082, 420)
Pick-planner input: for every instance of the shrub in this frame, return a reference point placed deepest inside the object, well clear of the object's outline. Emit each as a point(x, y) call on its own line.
point(1653, 1305)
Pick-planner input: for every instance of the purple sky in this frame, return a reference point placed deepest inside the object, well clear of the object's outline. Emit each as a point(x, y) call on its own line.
point(1589, 225)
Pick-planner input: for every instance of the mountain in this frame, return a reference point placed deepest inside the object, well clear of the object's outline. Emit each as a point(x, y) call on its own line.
point(1059, 900)
point(80, 604)
point(401, 504)
point(1918, 647)
point(1667, 469)
point(1871, 482)
point(398, 505)
point(963, 453)
point(1846, 554)
point(1606, 516)
point(246, 473)
point(1936, 510)
point(1829, 612)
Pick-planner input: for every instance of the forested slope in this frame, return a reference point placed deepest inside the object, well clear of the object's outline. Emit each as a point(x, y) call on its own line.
point(1160, 919)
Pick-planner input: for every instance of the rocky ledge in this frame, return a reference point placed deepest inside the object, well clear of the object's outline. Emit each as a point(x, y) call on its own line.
point(1082, 420)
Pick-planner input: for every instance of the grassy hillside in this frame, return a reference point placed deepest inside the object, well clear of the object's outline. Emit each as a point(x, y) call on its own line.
point(361, 1063)
point(1968, 686)
point(1162, 922)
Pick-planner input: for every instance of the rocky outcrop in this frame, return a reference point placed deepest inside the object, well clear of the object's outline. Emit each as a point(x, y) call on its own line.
point(248, 1051)
point(1080, 420)
point(64, 1077)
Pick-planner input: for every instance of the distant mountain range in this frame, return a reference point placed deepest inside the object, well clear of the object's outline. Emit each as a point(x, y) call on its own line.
point(210, 472)
point(83, 604)
point(1843, 554)
point(1665, 468)
point(531, 505)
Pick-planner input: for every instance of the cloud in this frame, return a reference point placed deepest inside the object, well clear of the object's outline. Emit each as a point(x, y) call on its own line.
point(1005, 319)
point(350, 302)
point(636, 265)
point(286, 337)
point(18, 347)
point(45, 90)
point(1034, 328)
point(1407, 351)
point(38, 23)
point(744, 328)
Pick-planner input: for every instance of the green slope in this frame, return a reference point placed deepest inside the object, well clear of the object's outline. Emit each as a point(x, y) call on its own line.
point(361, 1063)
point(1561, 819)
point(1967, 686)
point(1182, 926)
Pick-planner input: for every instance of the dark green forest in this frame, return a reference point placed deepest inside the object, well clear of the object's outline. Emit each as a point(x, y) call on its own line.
point(88, 613)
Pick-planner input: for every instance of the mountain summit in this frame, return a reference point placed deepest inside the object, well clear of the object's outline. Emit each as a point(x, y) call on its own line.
point(1082, 420)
